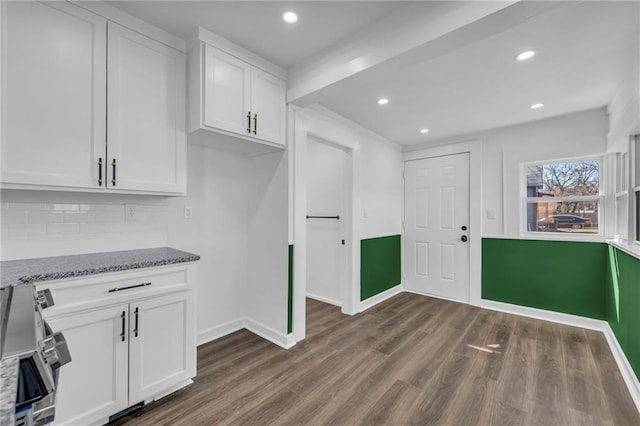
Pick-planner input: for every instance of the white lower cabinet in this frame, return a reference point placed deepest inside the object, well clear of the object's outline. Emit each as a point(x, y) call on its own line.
point(95, 384)
point(161, 345)
point(137, 349)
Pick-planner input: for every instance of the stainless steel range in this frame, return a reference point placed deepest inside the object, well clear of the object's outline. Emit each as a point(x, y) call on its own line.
point(35, 353)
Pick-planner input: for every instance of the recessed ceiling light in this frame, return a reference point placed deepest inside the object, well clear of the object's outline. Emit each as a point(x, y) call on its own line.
point(424, 130)
point(290, 17)
point(536, 106)
point(526, 55)
point(383, 101)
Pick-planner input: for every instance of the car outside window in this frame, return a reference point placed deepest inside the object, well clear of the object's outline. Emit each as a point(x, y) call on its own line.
point(563, 197)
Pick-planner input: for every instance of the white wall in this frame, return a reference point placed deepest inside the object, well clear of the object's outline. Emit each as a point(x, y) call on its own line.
point(218, 194)
point(381, 187)
point(266, 299)
point(42, 224)
point(504, 149)
point(326, 196)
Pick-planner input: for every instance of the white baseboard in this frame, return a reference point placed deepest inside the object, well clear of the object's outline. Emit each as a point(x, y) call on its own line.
point(269, 333)
point(219, 331)
point(567, 319)
point(324, 300)
point(380, 297)
point(625, 368)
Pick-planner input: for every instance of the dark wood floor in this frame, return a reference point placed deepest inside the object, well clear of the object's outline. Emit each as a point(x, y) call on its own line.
point(409, 360)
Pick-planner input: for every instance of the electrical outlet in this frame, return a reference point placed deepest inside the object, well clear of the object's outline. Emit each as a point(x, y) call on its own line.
point(188, 212)
point(130, 212)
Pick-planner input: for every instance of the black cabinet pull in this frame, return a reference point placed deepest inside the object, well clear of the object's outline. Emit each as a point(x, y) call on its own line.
point(122, 333)
point(249, 122)
point(113, 175)
point(100, 171)
point(255, 124)
point(113, 290)
point(135, 327)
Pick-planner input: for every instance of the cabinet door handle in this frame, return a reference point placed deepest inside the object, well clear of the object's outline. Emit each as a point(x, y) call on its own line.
point(113, 290)
point(122, 333)
point(135, 327)
point(249, 122)
point(100, 171)
point(255, 124)
point(113, 174)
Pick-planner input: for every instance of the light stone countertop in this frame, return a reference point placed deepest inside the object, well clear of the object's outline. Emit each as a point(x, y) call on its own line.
point(15, 272)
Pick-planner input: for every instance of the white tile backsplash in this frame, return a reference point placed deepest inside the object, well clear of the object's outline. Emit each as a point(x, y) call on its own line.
point(45, 216)
point(40, 224)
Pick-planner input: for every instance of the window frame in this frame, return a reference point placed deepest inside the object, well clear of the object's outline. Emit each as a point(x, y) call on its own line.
point(564, 236)
point(634, 191)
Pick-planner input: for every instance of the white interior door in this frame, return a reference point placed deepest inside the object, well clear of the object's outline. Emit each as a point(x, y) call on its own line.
point(326, 192)
point(436, 226)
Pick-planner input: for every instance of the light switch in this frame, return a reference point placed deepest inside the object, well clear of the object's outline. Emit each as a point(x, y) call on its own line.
point(491, 213)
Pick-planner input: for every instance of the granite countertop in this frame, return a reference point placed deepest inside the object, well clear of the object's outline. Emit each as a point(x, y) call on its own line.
point(15, 272)
point(9, 369)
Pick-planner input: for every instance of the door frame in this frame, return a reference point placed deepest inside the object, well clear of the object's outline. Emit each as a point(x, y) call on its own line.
point(305, 123)
point(474, 149)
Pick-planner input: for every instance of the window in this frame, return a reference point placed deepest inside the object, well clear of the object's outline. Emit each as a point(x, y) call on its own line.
point(563, 197)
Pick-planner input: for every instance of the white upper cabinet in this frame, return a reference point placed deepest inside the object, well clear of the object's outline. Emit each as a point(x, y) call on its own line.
point(227, 93)
point(53, 94)
point(65, 127)
point(237, 95)
point(268, 106)
point(146, 114)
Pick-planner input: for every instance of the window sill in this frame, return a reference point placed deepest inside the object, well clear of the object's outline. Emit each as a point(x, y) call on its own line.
point(631, 249)
point(552, 236)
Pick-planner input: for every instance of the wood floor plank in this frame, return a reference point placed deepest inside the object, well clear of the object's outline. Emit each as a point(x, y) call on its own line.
point(410, 359)
point(392, 407)
point(436, 400)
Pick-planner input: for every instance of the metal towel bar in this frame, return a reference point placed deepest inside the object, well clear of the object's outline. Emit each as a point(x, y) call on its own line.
point(323, 217)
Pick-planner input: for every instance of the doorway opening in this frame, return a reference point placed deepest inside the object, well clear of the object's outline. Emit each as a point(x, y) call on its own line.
point(326, 216)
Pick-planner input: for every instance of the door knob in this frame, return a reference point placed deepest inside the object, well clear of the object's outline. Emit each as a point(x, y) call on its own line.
point(464, 238)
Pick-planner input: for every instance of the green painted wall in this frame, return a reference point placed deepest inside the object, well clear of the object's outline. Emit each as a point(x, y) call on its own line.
point(380, 265)
point(623, 303)
point(290, 305)
point(561, 276)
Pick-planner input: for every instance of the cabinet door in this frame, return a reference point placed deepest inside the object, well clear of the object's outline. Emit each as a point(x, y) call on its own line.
point(53, 94)
point(94, 384)
point(163, 346)
point(268, 102)
point(146, 111)
point(226, 91)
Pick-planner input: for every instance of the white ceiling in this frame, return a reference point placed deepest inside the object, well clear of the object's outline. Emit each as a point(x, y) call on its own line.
point(258, 27)
point(581, 52)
